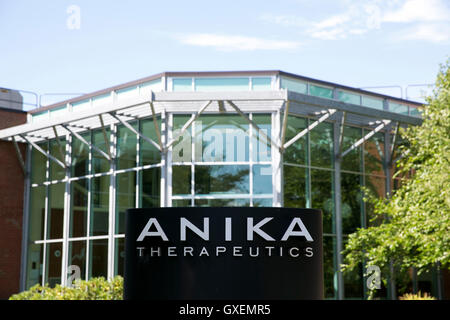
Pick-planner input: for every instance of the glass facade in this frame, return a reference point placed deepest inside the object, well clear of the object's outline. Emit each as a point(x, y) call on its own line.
point(76, 214)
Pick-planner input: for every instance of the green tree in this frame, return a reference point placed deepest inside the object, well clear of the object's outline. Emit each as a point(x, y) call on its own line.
point(412, 227)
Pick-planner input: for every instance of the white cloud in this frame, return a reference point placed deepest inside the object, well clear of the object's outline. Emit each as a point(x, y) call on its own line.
point(419, 10)
point(235, 42)
point(425, 20)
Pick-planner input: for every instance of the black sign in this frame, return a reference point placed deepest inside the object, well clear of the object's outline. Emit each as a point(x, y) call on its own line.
point(223, 253)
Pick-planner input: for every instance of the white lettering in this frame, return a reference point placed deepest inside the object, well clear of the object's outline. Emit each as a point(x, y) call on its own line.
point(303, 231)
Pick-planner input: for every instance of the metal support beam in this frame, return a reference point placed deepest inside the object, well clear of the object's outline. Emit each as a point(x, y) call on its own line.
point(19, 156)
point(155, 123)
point(105, 136)
point(284, 128)
point(394, 142)
point(337, 132)
point(366, 137)
point(60, 150)
point(129, 126)
point(341, 132)
point(187, 125)
point(45, 153)
point(76, 134)
point(254, 125)
point(328, 114)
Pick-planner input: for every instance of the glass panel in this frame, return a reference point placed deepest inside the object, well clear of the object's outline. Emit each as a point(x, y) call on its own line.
point(150, 180)
point(80, 155)
point(329, 266)
point(39, 117)
point(149, 153)
point(262, 179)
point(261, 145)
point(221, 179)
point(37, 213)
point(415, 112)
point(321, 145)
point(99, 162)
point(55, 216)
point(320, 91)
point(182, 149)
point(53, 264)
point(34, 264)
point(119, 261)
point(349, 97)
point(298, 151)
point(101, 100)
point(263, 202)
point(221, 138)
point(352, 161)
point(372, 102)
point(322, 197)
point(295, 186)
point(222, 202)
point(261, 84)
point(98, 258)
point(398, 108)
point(221, 84)
point(354, 283)
point(373, 154)
point(126, 147)
point(182, 84)
point(100, 206)
point(125, 197)
point(351, 202)
point(181, 203)
point(377, 186)
point(78, 208)
point(181, 180)
point(294, 85)
point(58, 112)
point(56, 171)
point(38, 164)
point(77, 256)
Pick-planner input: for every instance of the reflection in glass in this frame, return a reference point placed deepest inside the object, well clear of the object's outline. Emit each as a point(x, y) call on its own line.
point(126, 147)
point(53, 263)
point(222, 202)
point(37, 213)
point(125, 197)
point(261, 145)
point(221, 138)
point(295, 186)
point(119, 256)
point(373, 154)
point(78, 208)
point(98, 258)
point(80, 155)
point(329, 264)
point(263, 202)
point(55, 215)
point(57, 150)
point(38, 164)
point(321, 145)
point(181, 203)
point(77, 256)
point(150, 182)
point(181, 180)
point(322, 197)
point(100, 206)
point(352, 200)
point(221, 179)
point(149, 153)
point(34, 264)
point(352, 161)
point(297, 152)
point(262, 179)
point(99, 162)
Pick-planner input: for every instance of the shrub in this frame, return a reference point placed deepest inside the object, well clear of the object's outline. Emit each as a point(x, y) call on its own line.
point(94, 289)
point(417, 296)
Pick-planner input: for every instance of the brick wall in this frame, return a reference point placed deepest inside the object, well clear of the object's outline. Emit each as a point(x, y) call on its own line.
point(11, 207)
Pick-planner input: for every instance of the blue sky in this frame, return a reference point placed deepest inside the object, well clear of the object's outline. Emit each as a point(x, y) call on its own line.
point(45, 48)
